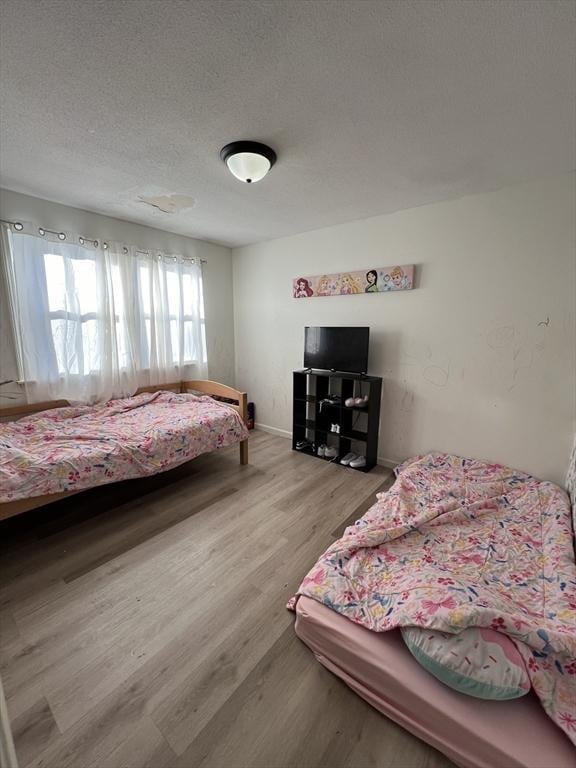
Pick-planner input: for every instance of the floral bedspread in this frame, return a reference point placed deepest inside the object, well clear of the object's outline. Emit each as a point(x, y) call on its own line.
point(67, 449)
point(458, 543)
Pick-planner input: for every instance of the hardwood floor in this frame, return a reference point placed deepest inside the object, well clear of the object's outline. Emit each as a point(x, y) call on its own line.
point(143, 624)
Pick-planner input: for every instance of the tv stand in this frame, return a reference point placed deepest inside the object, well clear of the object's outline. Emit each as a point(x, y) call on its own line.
point(313, 417)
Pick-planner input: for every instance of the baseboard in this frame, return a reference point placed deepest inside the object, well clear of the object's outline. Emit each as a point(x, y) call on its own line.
point(285, 433)
point(387, 462)
point(274, 430)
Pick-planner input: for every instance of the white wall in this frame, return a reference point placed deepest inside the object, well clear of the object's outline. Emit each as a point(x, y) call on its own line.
point(218, 298)
point(479, 360)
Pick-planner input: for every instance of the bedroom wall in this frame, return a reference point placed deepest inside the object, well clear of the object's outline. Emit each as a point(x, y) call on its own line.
point(478, 360)
point(218, 297)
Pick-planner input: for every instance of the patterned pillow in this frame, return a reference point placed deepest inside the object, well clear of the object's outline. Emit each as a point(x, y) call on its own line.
point(479, 662)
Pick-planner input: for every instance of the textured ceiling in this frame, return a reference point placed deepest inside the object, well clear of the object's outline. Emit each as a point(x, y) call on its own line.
point(372, 106)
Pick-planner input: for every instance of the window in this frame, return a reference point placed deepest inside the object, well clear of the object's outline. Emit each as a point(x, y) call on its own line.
point(72, 313)
point(180, 298)
point(93, 319)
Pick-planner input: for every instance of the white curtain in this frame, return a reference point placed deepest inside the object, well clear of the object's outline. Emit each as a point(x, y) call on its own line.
point(93, 323)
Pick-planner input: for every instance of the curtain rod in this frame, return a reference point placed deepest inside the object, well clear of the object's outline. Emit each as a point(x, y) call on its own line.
point(42, 231)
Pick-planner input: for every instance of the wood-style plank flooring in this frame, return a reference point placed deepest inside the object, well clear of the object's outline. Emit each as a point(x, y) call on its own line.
point(143, 624)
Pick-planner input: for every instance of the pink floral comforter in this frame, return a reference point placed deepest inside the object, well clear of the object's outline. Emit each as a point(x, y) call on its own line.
point(67, 449)
point(458, 543)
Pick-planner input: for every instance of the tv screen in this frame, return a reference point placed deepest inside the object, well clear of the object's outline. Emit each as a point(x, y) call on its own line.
point(336, 349)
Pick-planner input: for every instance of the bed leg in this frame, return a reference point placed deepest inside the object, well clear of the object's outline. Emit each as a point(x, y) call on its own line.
point(244, 452)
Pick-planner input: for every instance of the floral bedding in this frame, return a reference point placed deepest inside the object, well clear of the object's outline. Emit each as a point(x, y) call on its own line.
point(457, 543)
point(67, 449)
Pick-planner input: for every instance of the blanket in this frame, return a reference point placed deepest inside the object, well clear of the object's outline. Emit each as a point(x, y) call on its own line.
point(77, 447)
point(457, 543)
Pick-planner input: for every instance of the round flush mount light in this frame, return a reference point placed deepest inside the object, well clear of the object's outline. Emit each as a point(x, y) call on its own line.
point(249, 161)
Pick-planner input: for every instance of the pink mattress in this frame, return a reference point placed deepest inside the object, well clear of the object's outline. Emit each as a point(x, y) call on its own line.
point(471, 732)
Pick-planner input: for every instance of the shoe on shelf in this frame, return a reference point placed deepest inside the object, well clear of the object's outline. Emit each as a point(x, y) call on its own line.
point(347, 459)
point(356, 402)
point(303, 445)
point(321, 451)
point(358, 462)
point(330, 452)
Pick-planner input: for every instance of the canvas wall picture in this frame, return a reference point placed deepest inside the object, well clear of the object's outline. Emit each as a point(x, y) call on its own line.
point(374, 280)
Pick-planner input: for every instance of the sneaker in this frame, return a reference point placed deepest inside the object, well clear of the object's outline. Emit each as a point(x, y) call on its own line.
point(347, 459)
point(330, 452)
point(358, 462)
point(321, 451)
point(303, 445)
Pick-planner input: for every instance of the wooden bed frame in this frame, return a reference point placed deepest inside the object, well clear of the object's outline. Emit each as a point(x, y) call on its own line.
point(11, 508)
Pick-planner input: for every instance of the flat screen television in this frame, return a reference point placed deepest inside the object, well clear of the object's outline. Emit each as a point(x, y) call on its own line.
point(336, 349)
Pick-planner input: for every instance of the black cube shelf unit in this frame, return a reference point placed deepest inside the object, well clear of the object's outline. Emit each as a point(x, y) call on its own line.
point(313, 419)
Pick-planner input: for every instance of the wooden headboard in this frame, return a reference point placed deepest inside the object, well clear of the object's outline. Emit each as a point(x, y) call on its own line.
point(204, 386)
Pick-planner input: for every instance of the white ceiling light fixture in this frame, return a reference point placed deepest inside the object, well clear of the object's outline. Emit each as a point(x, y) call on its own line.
point(248, 161)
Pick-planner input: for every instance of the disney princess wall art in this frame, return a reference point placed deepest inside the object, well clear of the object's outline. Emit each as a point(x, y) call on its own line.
point(374, 280)
point(302, 288)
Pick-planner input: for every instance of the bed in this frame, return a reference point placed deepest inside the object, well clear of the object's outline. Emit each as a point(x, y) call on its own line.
point(49, 451)
point(448, 526)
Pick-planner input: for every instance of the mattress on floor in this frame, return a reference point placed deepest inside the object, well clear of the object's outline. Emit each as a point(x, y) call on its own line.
point(471, 732)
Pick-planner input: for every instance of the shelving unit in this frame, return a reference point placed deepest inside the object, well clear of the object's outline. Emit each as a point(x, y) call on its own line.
point(313, 419)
